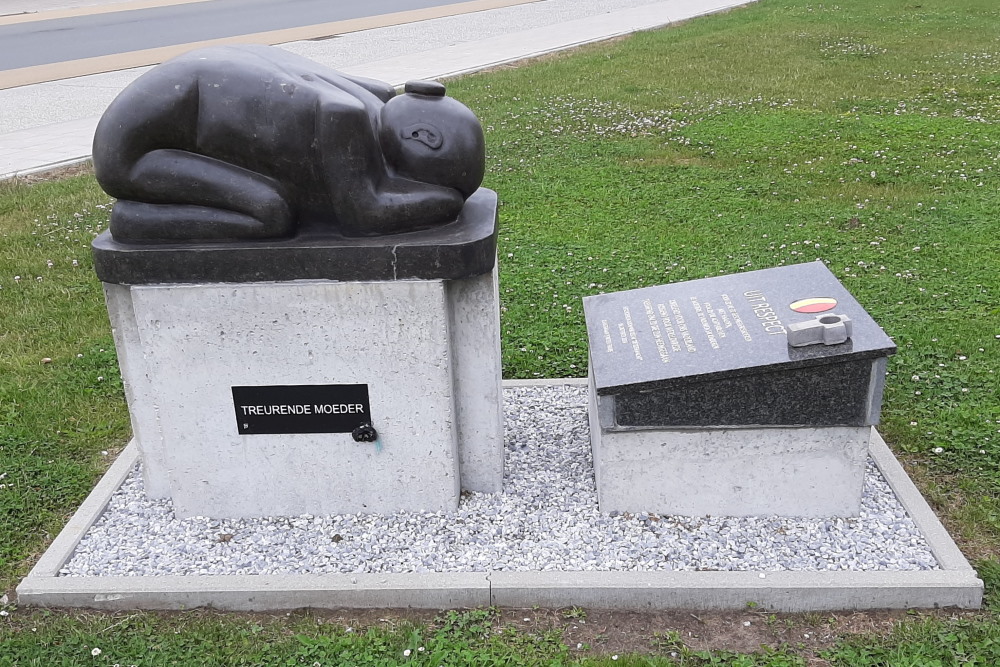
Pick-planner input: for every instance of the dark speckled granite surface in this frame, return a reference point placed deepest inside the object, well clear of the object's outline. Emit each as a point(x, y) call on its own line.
point(715, 352)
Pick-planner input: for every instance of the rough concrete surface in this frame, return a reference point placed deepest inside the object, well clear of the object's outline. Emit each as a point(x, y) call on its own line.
point(186, 346)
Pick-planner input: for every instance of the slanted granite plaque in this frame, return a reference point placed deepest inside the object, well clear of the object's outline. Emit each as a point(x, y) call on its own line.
point(746, 394)
point(715, 352)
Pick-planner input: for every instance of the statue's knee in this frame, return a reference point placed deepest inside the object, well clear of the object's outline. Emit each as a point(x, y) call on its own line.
point(276, 214)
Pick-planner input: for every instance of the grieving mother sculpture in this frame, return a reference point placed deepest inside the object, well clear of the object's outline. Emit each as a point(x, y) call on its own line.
point(252, 142)
point(286, 238)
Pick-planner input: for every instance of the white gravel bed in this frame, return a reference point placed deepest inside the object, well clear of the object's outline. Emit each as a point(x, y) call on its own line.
point(547, 519)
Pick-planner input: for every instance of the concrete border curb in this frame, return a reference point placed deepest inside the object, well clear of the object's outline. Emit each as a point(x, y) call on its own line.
point(955, 585)
point(45, 168)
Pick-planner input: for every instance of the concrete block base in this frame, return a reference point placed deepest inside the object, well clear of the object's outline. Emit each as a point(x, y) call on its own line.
point(427, 350)
point(791, 472)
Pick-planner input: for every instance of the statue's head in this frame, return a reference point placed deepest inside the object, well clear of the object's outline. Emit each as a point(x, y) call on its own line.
point(431, 138)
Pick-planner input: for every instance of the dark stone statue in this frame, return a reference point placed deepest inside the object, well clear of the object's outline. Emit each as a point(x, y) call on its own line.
point(253, 142)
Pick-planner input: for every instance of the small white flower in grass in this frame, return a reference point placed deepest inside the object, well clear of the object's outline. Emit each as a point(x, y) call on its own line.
point(406, 653)
point(614, 657)
point(962, 357)
point(95, 652)
point(420, 649)
point(4, 612)
point(915, 378)
point(938, 450)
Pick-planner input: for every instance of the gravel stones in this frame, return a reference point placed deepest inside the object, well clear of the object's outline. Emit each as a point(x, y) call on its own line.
point(546, 520)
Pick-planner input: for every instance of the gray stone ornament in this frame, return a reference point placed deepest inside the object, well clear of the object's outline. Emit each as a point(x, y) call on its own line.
point(251, 142)
point(828, 329)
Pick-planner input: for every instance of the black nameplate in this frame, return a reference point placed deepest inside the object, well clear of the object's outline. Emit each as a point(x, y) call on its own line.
point(304, 408)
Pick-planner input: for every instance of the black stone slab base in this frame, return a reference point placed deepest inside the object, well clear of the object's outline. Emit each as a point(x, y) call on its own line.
point(836, 394)
point(461, 249)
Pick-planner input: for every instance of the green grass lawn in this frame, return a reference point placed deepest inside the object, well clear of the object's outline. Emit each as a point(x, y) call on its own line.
point(863, 133)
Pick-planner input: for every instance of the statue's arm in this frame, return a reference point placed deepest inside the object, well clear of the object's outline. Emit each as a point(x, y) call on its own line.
point(368, 200)
point(403, 205)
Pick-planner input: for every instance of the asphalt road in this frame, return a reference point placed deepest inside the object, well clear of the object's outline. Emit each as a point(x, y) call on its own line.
point(44, 42)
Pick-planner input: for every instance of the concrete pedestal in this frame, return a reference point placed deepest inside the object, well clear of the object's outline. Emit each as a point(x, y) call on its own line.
point(784, 471)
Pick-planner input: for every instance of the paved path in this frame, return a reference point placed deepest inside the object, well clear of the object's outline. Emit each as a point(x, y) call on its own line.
point(11, 7)
point(41, 42)
point(47, 125)
point(46, 46)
